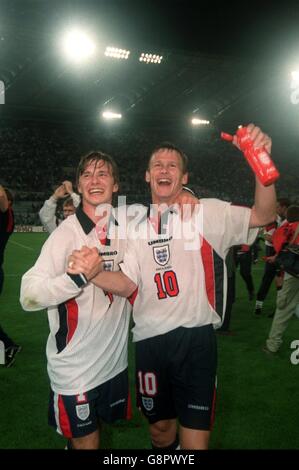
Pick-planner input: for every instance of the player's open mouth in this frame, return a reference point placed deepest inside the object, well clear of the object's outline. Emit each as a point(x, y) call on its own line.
point(96, 191)
point(164, 182)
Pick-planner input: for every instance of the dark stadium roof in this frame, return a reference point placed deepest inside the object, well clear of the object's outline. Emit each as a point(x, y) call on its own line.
point(228, 64)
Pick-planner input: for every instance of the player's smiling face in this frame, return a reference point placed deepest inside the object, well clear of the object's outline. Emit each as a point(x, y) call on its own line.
point(165, 176)
point(96, 184)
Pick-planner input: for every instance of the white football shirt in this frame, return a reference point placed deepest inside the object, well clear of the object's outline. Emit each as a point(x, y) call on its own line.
point(182, 280)
point(87, 344)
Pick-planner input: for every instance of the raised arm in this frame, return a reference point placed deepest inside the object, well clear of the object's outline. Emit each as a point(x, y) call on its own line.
point(264, 210)
point(47, 213)
point(69, 189)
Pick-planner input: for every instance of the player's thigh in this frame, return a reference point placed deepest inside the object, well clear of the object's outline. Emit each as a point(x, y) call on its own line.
point(73, 416)
point(194, 383)
point(88, 442)
point(153, 387)
point(113, 400)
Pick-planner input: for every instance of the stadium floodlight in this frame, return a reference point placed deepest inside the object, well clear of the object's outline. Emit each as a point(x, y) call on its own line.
point(117, 53)
point(295, 75)
point(77, 46)
point(150, 58)
point(111, 115)
point(199, 122)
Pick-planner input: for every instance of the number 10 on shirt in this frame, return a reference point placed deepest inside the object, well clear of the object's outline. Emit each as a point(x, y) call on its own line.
point(167, 284)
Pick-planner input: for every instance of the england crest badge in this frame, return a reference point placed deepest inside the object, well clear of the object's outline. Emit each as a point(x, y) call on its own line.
point(148, 403)
point(161, 254)
point(108, 265)
point(83, 411)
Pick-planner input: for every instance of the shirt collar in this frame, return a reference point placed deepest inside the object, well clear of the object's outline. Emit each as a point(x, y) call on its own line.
point(87, 224)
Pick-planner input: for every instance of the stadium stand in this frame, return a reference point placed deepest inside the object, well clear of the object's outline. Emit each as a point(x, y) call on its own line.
point(37, 156)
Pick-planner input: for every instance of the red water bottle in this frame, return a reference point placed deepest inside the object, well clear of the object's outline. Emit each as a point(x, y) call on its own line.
point(258, 158)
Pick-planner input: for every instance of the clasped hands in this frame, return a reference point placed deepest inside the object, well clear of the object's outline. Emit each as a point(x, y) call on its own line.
point(86, 261)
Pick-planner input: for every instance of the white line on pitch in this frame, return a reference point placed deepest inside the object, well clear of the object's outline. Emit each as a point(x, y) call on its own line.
point(20, 244)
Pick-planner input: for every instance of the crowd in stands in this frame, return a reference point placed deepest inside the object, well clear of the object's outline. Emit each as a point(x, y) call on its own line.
point(36, 158)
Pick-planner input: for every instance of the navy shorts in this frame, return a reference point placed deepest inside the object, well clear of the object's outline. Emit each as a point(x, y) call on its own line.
point(78, 415)
point(176, 375)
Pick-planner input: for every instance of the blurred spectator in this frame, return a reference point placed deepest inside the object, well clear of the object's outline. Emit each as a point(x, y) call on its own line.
point(6, 229)
point(48, 213)
point(288, 296)
point(244, 258)
point(270, 269)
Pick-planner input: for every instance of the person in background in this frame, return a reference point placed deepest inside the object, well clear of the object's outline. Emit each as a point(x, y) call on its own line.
point(270, 269)
point(244, 258)
point(6, 229)
point(47, 213)
point(288, 295)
